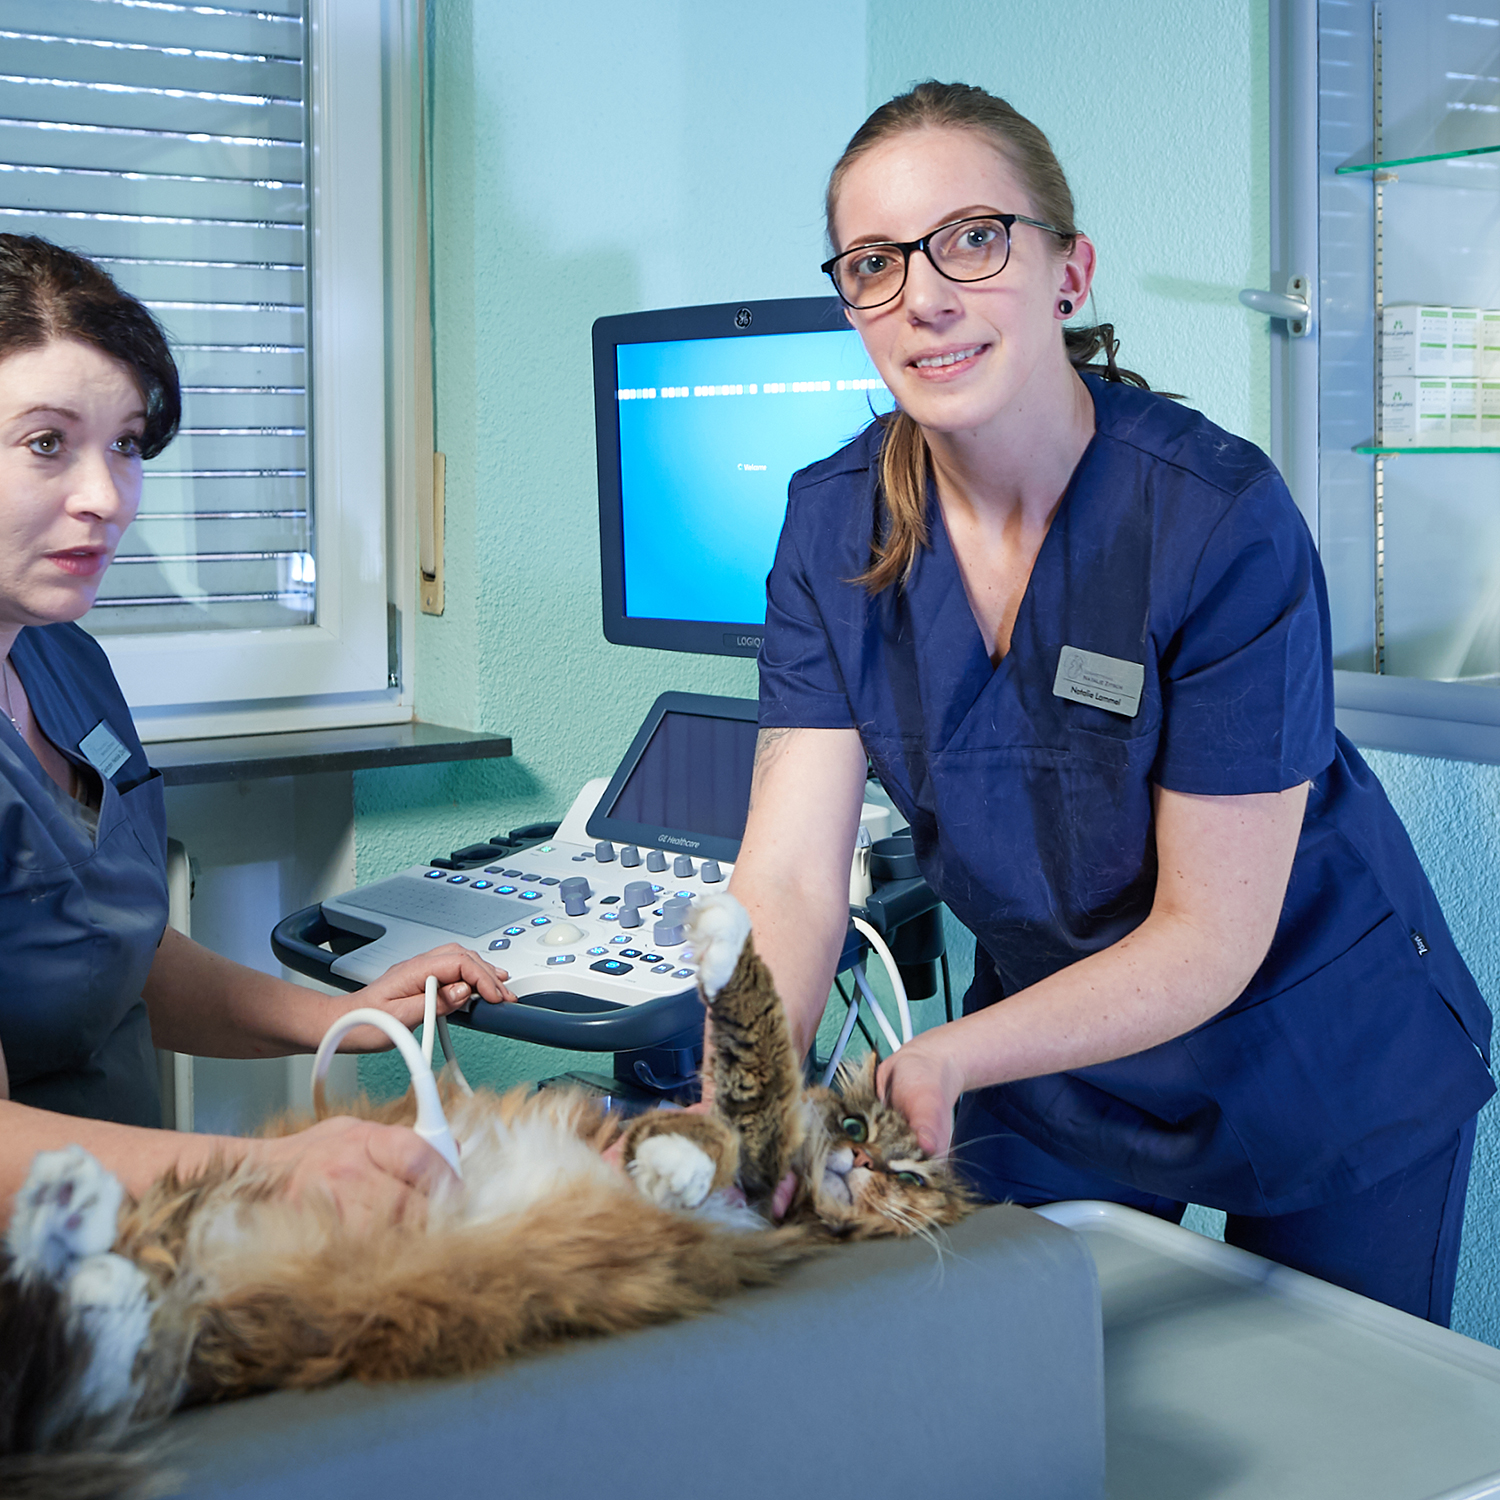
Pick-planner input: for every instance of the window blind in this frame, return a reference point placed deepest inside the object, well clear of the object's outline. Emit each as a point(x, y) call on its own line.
point(169, 143)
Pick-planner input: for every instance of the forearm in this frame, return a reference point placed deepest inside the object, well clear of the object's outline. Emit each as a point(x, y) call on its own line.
point(1159, 982)
point(135, 1155)
point(210, 1006)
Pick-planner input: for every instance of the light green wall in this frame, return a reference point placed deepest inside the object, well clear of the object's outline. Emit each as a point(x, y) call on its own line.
point(594, 159)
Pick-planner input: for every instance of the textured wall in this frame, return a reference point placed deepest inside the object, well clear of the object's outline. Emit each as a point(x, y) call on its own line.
point(589, 159)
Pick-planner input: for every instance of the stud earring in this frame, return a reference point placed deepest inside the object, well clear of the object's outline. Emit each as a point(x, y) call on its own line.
point(1065, 308)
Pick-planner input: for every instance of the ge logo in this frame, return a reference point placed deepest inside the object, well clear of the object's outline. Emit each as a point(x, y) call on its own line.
point(742, 318)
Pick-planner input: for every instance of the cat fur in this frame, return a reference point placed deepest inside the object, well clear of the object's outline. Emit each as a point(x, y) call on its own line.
point(114, 1312)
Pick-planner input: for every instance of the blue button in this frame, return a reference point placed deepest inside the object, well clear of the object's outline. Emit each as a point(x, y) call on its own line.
point(656, 890)
point(482, 885)
point(651, 958)
point(610, 966)
point(531, 895)
point(686, 895)
point(662, 969)
point(540, 921)
point(514, 931)
point(630, 952)
point(683, 974)
point(620, 937)
point(549, 880)
point(434, 874)
point(597, 951)
point(544, 849)
point(505, 890)
point(609, 916)
point(458, 880)
point(560, 958)
point(499, 945)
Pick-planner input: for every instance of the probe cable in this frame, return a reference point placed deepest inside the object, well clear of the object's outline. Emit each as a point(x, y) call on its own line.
point(432, 1123)
point(903, 1008)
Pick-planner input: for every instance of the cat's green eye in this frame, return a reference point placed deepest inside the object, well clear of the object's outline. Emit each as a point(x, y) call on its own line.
point(911, 1179)
point(853, 1127)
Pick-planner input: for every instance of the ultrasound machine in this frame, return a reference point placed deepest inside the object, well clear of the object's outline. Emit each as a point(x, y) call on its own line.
point(702, 416)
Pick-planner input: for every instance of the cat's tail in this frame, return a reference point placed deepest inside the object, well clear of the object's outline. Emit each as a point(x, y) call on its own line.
point(134, 1473)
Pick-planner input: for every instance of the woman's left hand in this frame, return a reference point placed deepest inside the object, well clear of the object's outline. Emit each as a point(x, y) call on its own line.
point(401, 990)
point(923, 1080)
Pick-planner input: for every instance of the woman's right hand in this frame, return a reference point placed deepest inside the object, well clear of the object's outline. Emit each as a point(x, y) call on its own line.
point(374, 1174)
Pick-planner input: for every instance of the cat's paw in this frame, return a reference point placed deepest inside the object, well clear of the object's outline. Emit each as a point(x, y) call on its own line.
point(717, 928)
point(670, 1170)
point(109, 1298)
point(67, 1209)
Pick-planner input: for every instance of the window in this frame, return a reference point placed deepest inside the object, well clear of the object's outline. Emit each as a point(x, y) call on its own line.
point(226, 165)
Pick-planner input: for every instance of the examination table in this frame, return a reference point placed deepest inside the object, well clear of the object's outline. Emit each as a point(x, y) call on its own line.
point(876, 1369)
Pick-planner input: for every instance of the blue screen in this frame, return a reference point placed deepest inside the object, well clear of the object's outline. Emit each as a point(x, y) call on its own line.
point(711, 430)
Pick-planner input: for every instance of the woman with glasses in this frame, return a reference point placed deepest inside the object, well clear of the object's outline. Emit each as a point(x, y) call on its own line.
point(1082, 635)
point(90, 974)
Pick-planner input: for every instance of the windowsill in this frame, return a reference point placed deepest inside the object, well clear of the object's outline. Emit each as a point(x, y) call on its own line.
point(304, 752)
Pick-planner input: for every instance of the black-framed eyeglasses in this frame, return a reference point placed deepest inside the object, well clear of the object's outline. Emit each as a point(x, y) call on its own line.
point(965, 250)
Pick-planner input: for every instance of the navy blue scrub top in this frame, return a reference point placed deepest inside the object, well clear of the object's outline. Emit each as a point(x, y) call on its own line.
point(1357, 1046)
point(81, 912)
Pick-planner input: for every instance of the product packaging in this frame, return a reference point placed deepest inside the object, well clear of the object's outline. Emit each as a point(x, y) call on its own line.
point(1489, 413)
point(1463, 343)
point(1489, 344)
point(1414, 340)
point(1463, 413)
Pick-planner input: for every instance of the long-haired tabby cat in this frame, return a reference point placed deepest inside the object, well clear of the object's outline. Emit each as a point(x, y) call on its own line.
point(115, 1312)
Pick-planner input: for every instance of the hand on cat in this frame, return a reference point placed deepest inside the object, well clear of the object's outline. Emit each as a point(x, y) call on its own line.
point(461, 974)
point(375, 1174)
point(924, 1083)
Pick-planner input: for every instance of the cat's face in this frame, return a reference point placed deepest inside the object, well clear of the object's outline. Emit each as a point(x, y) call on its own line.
point(864, 1173)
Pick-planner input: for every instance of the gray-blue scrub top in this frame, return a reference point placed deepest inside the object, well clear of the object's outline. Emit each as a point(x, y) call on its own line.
point(81, 910)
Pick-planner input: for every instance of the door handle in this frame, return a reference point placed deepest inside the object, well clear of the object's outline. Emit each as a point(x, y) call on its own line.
point(1295, 305)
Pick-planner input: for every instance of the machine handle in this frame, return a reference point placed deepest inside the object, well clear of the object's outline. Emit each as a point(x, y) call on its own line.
point(554, 1019)
point(296, 940)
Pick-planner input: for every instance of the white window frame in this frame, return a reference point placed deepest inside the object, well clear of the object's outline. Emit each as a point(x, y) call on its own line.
point(342, 669)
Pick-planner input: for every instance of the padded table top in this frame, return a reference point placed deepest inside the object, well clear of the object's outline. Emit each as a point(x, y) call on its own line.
point(1228, 1377)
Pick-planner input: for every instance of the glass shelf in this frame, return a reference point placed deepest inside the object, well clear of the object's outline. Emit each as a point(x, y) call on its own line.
point(1413, 161)
point(1413, 448)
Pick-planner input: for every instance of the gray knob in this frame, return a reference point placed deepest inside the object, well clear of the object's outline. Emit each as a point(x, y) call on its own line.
point(575, 906)
point(604, 851)
point(682, 867)
point(629, 917)
point(575, 885)
point(710, 871)
point(638, 893)
point(656, 861)
point(630, 856)
point(669, 931)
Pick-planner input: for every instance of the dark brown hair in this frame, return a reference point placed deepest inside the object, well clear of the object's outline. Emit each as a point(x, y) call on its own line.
point(901, 529)
point(49, 293)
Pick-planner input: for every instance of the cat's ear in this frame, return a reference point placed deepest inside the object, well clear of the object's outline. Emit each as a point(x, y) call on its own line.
point(856, 1079)
point(718, 928)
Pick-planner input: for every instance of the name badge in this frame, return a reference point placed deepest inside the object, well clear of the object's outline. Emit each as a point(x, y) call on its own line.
point(1104, 681)
point(102, 749)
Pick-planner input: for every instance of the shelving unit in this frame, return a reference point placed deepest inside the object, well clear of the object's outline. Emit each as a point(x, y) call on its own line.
point(1431, 611)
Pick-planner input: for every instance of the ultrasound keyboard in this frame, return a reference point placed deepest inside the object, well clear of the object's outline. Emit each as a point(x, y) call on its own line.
point(590, 916)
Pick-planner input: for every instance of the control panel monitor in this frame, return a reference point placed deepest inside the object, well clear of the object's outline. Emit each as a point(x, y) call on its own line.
point(702, 416)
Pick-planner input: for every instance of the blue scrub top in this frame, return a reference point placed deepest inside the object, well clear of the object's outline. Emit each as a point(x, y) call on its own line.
point(81, 912)
point(1357, 1045)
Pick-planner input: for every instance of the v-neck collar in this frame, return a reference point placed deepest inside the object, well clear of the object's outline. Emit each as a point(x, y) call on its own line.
point(956, 666)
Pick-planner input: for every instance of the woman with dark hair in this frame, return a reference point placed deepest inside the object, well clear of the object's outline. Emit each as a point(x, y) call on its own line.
point(90, 974)
point(1082, 635)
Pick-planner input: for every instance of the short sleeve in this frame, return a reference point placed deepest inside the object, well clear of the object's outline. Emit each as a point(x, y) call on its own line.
point(800, 685)
point(1247, 680)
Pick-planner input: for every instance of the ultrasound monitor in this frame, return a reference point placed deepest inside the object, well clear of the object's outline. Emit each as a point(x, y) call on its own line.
point(702, 415)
